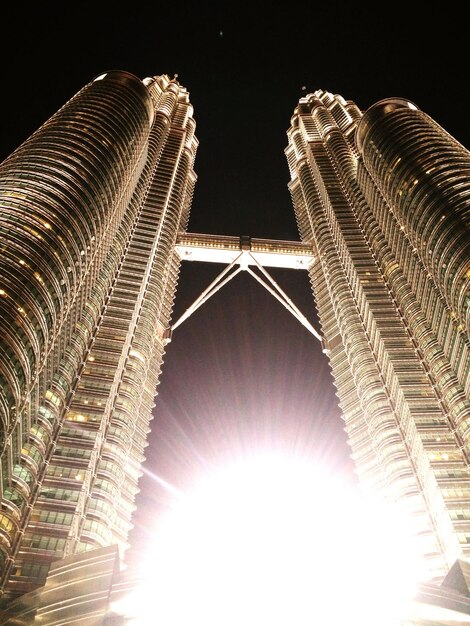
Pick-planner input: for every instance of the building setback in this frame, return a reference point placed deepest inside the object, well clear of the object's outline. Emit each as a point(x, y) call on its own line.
point(384, 197)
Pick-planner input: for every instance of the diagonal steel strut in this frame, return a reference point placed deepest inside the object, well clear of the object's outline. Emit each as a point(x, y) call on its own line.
point(215, 285)
point(271, 286)
point(279, 294)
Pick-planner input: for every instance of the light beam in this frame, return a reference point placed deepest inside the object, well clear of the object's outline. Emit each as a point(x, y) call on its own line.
point(273, 539)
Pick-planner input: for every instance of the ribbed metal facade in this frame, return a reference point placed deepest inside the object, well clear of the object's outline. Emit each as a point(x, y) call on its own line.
point(90, 208)
point(384, 197)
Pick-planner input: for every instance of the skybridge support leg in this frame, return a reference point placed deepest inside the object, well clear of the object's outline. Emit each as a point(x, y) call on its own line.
point(215, 285)
point(244, 260)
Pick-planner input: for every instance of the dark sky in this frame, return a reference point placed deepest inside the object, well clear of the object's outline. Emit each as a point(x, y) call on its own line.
point(241, 373)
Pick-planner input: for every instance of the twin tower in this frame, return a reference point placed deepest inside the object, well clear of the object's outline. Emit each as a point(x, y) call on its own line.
point(94, 208)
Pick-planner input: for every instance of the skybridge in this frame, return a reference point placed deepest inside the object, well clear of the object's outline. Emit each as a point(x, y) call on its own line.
point(246, 254)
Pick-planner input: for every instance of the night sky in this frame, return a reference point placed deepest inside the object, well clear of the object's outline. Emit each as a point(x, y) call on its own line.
point(241, 373)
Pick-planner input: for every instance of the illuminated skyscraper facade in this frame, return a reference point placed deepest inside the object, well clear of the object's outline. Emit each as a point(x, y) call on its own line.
point(384, 196)
point(91, 205)
point(93, 214)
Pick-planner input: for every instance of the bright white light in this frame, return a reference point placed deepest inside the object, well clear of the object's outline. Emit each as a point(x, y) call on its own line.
point(273, 540)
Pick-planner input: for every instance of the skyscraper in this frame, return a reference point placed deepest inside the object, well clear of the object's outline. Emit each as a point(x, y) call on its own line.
point(384, 197)
point(91, 205)
point(93, 213)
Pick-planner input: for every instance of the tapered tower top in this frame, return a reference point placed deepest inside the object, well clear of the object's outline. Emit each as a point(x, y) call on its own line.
point(378, 111)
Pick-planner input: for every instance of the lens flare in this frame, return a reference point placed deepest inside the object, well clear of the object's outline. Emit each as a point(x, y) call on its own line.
point(275, 540)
